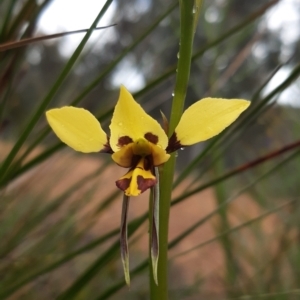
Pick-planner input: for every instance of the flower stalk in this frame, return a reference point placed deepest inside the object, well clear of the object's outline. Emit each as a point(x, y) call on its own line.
point(187, 25)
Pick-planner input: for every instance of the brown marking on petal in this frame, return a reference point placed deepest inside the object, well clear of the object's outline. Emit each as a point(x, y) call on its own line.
point(151, 137)
point(134, 161)
point(123, 184)
point(174, 144)
point(148, 162)
point(145, 183)
point(124, 140)
point(106, 148)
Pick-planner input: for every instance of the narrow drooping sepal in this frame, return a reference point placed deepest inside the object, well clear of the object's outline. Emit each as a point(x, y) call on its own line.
point(207, 118)
point(77, 128)
point(124, 239)
point(155, 227)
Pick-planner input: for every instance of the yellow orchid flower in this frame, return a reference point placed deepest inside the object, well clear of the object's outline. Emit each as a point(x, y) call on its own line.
point(137, 141)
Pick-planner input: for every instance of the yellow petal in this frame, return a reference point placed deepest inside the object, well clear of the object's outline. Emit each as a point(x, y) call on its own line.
point(123, 157)
point(207, 118)
point(77, 128)
point(137, 180)
point(159, 156)
point(131, 121)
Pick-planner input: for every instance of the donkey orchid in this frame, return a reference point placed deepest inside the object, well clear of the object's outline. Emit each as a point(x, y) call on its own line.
point(139, 143)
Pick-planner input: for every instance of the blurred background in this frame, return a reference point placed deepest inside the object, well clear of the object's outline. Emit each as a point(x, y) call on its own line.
point(234, 228)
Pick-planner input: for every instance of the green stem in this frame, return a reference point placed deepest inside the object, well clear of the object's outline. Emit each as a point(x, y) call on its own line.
point(160, 291)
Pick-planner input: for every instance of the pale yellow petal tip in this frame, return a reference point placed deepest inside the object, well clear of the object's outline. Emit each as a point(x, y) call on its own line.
point(245, 103)
point(126, 97)
point(124, 93)
point(50, 113)
point(123, 88)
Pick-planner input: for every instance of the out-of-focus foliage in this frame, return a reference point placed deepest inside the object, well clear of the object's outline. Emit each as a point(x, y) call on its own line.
point(59, 221)
point(212, 74)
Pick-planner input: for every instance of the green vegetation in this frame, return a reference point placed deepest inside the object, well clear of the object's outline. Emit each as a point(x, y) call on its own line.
point(234, 227)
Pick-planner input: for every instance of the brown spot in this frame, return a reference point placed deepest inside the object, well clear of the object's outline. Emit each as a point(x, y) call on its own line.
point(151, 138)
point(123, 184)
point(148, 162)
point(134, 161)
point(106, 148)
point(145, 183)
point(174, 144)
point(124, 140)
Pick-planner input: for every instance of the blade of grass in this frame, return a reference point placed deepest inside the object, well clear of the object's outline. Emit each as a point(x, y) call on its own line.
point(241, 191)
point(241, 226)
point(132, 226)
point(120, 284)
point(109, 292)
point(7, 19)
point(247, 21)
point(232, 265)
point(166, 75)
point(245, 120)
point(89, 274)
point(40, 110)
point(28, 41)
point(274, 295)
point(27, 10)
point(144, 217)
point(238, 170)
point(35, 219)
point(87, 90)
